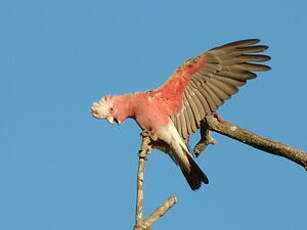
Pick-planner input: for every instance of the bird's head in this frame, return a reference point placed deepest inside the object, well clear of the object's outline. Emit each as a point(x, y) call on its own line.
point(104, 109)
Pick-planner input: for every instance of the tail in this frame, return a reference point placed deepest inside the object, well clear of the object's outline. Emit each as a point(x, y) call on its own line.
point(179, 153)
point(190, 169)
point(194, 175)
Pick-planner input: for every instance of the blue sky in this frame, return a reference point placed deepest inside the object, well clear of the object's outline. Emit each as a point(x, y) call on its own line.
point(61, 169)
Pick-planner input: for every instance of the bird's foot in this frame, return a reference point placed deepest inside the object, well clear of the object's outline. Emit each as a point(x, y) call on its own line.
point(148, 133)
point(217, 116)
point(205, 139)
point(148, 139)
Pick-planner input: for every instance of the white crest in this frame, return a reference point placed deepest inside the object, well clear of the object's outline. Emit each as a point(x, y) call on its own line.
point(103, 109)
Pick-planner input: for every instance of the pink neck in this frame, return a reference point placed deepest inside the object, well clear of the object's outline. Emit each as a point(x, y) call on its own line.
point(123, 107)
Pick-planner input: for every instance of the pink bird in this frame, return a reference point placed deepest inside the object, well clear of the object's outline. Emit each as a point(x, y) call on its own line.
point(196, 89)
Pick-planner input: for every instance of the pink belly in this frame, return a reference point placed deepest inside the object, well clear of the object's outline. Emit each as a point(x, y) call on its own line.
point(151, 119)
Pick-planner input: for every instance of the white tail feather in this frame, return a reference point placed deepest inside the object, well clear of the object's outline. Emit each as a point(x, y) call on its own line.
point(180, 154)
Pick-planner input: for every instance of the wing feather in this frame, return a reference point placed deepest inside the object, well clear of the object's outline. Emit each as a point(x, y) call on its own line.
point(192, 113)
point(186, 114)
point(226, 88)
point(202, 101)
point(178, 122)
point(195, 109)
point(183, 124)
point(205, 92)
point(217, 90)
point(216, 100)
point(206, 81)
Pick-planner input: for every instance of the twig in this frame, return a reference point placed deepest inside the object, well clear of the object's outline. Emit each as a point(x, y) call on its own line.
point(215, 123)
point(205, 140)
point(159, 212)
point(140, 223)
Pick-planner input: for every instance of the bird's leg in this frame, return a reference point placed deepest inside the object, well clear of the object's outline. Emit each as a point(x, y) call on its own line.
point(149, 134)
point(205, 138)
point(147, 142)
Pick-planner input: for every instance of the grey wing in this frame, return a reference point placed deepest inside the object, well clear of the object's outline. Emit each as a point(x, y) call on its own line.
point(227, 67)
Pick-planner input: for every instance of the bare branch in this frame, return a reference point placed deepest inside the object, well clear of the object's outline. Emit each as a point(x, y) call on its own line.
point(159, 212)
point(145, 149)
point(215, 123)
point(140, 224)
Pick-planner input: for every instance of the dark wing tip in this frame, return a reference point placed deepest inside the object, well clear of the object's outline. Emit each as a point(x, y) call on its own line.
point(259, 67)
point(250, 41)
point(265, 47)
point(266, 57)
point(238, 44)
point(266, 68)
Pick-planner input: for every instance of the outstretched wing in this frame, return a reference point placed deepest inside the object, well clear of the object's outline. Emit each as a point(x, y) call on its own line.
point(201, 84)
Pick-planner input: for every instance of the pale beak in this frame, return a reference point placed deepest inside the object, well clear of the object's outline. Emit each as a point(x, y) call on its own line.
point(110, 120)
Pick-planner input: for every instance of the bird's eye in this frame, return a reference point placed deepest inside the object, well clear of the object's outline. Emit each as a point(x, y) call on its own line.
point(111, 110)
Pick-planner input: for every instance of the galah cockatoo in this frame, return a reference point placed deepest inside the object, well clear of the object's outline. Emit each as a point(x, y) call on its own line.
point(196, 89)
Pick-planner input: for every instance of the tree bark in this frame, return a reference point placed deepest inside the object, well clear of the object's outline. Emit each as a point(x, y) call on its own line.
point(217, 124)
